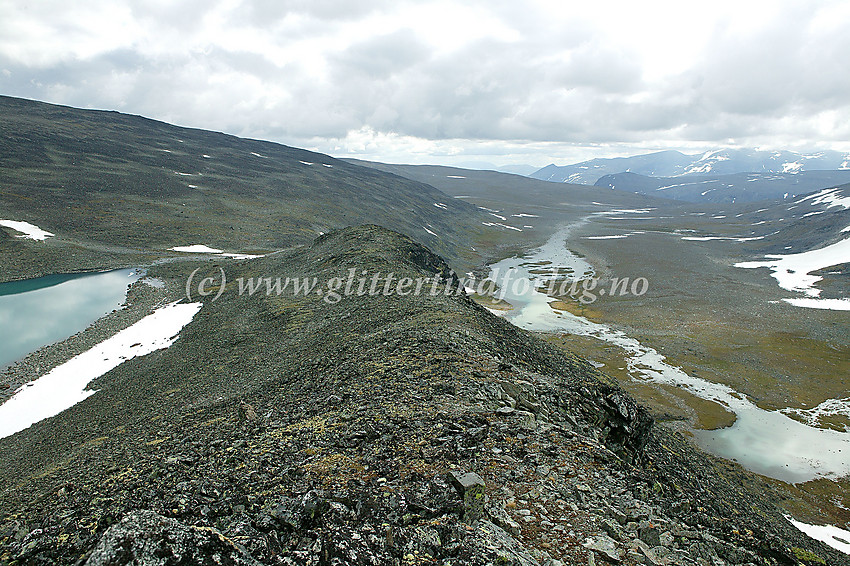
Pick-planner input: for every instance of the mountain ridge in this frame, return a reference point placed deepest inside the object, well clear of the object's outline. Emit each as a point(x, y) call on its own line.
point(738, 187)
point(671, 163)
point(421, 426)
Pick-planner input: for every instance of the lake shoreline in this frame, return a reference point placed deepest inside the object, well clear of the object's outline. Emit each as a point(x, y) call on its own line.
point(141, 299)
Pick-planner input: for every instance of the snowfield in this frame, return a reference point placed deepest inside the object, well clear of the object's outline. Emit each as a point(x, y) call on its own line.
point(829, 197)
point(64, 386)
point(838, 539)
point(29, 231)
point(202, 249)
point(793, 271)
point(196, 249)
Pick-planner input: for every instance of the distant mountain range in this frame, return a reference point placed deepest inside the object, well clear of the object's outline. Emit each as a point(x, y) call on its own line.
point(675, 164)
point(738, 187)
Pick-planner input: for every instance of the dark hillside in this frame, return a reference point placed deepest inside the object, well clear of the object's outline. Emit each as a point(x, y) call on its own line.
point(113, 187)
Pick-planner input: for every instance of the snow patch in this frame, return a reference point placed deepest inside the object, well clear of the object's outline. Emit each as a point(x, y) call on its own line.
point(792, 271)
point(65, 386)
point(822, 304)
point(830, 407)
point(839, 539)
point(829, 197)
point(27, 230)
point(624, 211)
point(685, 184)
point(196, 249)
point(727, 238)
point(705, 168)
point(502, 226)
point(202, 249)
point(614, 236)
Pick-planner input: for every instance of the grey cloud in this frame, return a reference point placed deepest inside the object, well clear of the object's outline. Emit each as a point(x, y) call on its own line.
point(557, 83)
point(264, 12)
point(186, 15)
point(600, 68)
point(380, 57)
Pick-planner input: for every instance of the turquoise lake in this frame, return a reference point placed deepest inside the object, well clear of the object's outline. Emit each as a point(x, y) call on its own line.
point(37, 312)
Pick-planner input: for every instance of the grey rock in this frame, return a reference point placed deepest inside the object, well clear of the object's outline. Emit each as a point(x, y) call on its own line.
point(145, 538)
point(489, 544)
point(423, 540)
point(652, 557)
point(501, 518)
point(649, 533)
point(617, 515)
point(612, 529)
point(604, 545)
point(294, 513)
point(526, 420)
point(470, 487)
point(523, 393)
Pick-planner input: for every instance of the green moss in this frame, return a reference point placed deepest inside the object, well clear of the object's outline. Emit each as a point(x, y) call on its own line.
point(807, 556)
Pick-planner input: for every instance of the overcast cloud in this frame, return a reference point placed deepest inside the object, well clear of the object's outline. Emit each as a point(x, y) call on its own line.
point(449, 82)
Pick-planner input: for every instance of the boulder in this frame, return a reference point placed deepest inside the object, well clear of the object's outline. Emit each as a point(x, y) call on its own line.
point(149, 539)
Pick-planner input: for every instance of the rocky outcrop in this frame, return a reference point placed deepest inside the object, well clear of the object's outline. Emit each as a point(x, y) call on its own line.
point(145, 538)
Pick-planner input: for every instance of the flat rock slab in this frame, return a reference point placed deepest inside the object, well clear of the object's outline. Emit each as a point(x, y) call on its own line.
point(604, 545)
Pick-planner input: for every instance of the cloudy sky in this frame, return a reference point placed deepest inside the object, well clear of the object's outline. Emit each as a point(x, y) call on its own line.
point(502, 81)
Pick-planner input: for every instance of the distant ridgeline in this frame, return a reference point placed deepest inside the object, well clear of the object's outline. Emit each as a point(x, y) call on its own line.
point(715, 176)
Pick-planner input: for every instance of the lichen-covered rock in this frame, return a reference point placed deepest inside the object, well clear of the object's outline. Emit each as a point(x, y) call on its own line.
point(144, 538)
point(488, 544)
point(470, 487)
